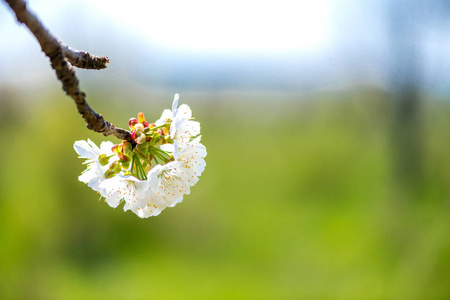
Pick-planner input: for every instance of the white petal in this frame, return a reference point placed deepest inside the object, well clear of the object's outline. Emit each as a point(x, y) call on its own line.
point(105, 148)
point(94, 183)
point(148, 206)
point(179, 200)
point(192, 161)
point(175, 103)
point(185, 111)
point(182, 130)
point(153, 177)
point(167, 147)
point(126, 188)
point(87, 176)
point(167, 114)
point(85, 150)
point(195, 141)
point(168, 182)
point(93, 145)
point(113, 200)
point(176, 127)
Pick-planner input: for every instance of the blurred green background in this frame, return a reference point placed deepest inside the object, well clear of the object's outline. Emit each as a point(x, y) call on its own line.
point(328, 169)
point(298, 201)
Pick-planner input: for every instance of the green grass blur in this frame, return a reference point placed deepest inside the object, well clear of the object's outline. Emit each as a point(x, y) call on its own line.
point(298, 201)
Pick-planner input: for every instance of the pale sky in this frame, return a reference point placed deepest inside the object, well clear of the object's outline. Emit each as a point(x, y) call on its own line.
point(197, 25)
point(160, 41)
point(232, 25)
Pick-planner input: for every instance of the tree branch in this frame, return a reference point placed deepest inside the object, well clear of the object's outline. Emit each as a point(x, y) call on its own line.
point(84, 60)
point(59, 55)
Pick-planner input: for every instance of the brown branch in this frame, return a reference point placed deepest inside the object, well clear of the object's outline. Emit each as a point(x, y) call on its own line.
point(84, 60)
point(59, 56)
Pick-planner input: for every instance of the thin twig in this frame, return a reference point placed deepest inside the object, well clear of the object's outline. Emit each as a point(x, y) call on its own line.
point(59, 55)
point(84, 60)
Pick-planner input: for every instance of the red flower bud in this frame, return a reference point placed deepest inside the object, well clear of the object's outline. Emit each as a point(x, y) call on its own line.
point(132, 122)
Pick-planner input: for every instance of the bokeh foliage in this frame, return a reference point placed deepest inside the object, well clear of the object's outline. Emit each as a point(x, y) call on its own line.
point(298, 201)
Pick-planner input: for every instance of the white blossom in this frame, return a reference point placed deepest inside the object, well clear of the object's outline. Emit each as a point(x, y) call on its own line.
point(148, 206)
point(123, 188)
point(168, 182)
point(182, 127)
point(94, 174)
point(154, 175)
point(182, 130)
point(192, 160)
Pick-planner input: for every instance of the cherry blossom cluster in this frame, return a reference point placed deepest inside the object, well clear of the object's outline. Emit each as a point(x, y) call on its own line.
point(165, 162)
